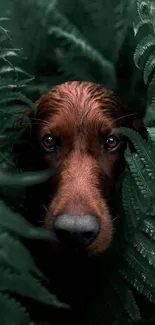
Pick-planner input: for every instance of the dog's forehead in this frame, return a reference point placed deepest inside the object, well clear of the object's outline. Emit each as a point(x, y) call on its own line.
point(77, 118)
point(78, 106)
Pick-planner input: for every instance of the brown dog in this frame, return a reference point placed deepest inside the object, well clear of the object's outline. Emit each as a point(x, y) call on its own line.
point(74, 128)
point(74, 132)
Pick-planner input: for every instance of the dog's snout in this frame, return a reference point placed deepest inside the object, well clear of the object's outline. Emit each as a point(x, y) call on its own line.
point(79, 231)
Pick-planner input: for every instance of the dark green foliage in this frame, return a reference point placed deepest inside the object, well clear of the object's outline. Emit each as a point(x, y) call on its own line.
point(68, 43)
point(144, 53)
point(19, 276)
point(55, 41)
point(137, 246)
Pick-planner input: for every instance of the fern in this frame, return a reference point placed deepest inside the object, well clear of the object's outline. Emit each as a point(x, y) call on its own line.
point(58, 47)
point(137, 247)
point(12, 312)
point(144, 150)
point(19, 275)
point(18, 272)
point(138, 281)
point(145, 247)
point(148, 227)
point(141, 49)
point(18, 180)
point(149, 67)
point(128, 202)
point(144, 53)
point(90, 57)
point(11, 84)
point(69, 48)
point(138, 171)
point(130, 307)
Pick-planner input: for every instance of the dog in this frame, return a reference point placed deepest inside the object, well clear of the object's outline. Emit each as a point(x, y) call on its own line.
point(74, 133)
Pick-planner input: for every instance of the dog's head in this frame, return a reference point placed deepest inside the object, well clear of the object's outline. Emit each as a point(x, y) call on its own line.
point(74, 129)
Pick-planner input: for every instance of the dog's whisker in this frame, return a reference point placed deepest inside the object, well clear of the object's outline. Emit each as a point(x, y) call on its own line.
point(44, 206)
point(114, 219)
point(40, 222)
point(125, 116)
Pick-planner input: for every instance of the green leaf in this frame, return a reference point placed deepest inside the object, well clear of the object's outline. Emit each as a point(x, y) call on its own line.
point(149, 67)
point(146, 43)
point(12, 312)
point(148, 227)
point(23, 179)
point(19, 226)
point(26, 285)
point(138, 172)
point(144, 149)
point(11, 249)
point(145, 247)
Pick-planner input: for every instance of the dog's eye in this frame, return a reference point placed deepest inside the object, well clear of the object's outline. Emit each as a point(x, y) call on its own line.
point(49, 143)
point(111, 143)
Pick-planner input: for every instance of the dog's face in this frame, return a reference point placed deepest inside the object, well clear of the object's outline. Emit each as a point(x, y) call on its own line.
point(75, 131)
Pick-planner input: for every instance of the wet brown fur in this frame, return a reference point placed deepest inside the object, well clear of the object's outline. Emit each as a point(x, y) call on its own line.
point(82, 114)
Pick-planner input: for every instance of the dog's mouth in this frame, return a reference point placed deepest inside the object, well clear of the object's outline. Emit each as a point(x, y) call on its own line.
point(71, 268)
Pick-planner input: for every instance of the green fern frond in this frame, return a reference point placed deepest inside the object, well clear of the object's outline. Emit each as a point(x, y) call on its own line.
point(19, 274)
point(69, 64)
point(10, 255)
point(26, 285)
point(12, 79)
point(135, 266)
point(149, 67)
point(23, 179)
point(113, 18)
point(10, 96)
point(57, 14)
point(9, 53)
point(142, 24)
point(12, 312)
point(143, 9)
point(144, 53)
point(135, 205)
point(121, 301)
point(129, 202)
point(146, 43)
point(148, 227)
point(5, 31)
point(126, 296)
point(138, 282)
point(145, 247)
point(151, 107)
point(151, 89)
point(19, 226)
point(137, 249)
point(6, 83)
point(136, 262)
point(144, 149)
point(138, 171)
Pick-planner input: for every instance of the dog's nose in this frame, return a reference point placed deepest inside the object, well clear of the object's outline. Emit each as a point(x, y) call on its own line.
point(79, 231)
